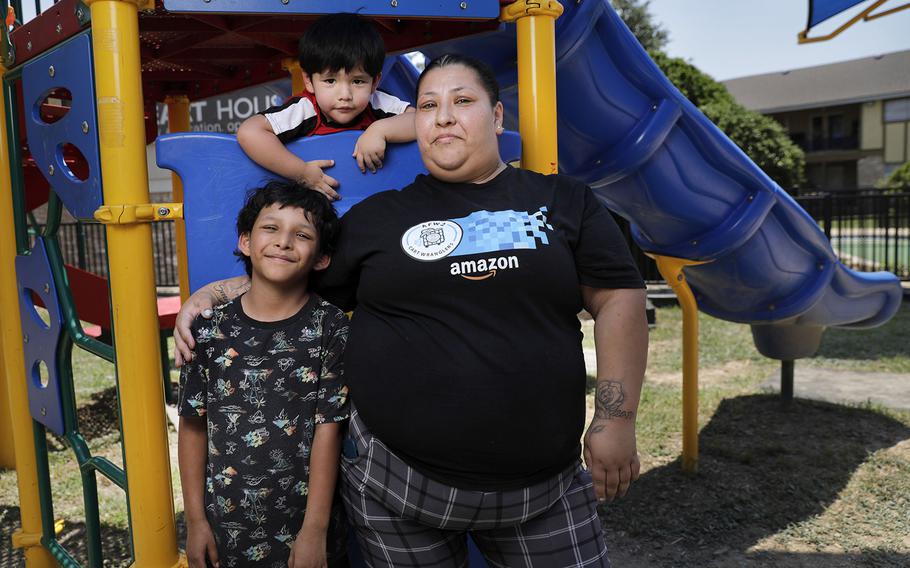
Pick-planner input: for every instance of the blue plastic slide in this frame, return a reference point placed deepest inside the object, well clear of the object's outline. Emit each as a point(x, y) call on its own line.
point(688, 190)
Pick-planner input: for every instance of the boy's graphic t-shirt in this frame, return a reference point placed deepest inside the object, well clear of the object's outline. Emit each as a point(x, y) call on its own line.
point(263, 387)
point(465, 353)
point(300, 116)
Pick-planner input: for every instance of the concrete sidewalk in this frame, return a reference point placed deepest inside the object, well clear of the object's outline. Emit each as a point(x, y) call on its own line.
point(849, 387)
point(830, 385)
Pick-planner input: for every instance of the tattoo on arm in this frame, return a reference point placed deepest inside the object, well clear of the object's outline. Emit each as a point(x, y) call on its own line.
point(224, 293)
point(608, 400)
point(220, 295)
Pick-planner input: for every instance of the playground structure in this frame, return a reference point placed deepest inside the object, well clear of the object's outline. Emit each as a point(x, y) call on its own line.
point(711, 218)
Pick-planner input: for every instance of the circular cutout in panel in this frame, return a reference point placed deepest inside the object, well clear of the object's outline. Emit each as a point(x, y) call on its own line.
point(38, 310)
point(54, 105)
point(40, 375)
point(76, 165)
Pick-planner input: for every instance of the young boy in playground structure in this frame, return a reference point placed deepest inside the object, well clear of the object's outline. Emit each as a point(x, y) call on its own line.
point(341, 56)
point(263, 400)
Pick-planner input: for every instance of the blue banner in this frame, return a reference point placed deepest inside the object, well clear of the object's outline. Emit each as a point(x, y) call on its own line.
point(821, 10)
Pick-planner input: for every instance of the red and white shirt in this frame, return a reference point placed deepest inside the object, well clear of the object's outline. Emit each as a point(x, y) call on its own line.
point(300, 116)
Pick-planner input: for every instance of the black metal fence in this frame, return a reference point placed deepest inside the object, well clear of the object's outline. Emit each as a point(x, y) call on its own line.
point(83, 245)
point(869, 229)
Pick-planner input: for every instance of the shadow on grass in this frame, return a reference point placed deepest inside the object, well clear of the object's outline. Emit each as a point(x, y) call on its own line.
point(99, 417)
point(889, 340)
point(763, 466)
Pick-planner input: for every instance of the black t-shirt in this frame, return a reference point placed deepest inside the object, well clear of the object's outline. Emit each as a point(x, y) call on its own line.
point(465, 350)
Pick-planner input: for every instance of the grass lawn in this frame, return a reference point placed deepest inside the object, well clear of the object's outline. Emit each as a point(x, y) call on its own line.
point(805, 484)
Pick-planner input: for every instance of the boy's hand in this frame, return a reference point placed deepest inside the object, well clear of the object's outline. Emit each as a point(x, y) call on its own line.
point(314, 178)
point(200, 542)
point(308, 550)
point(370, 150)
point(200, 302)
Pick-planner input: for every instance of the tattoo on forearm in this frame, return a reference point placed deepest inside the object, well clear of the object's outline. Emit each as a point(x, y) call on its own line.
point(608, 401)
point(221, 296)
point(224, 293)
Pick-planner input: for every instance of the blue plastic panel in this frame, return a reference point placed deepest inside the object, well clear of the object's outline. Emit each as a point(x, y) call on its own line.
point(689, 191)
point(40, 340)
point(68, 66)
point(216, 186)
point(473, 9)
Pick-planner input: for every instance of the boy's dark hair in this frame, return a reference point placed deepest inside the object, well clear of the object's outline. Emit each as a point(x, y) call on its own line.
point(341, 41)
point(484, 72)
point(318, 208)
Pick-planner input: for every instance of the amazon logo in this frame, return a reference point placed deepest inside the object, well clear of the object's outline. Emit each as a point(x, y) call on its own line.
point(483, 268)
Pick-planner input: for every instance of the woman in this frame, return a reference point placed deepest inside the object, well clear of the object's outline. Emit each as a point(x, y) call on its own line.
point(464, 358)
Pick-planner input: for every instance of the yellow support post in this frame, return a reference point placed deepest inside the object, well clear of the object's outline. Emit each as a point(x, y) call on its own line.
point(13, 360)
point(672, 270)
point(536, 30)
point(7, 453)
point(292, 66)
point(178, 120)
point(118, 89)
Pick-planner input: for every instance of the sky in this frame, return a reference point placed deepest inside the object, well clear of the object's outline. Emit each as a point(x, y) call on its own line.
point(734, 38)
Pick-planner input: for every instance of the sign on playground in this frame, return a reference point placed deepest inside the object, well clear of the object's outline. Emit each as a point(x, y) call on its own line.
point(224, 113)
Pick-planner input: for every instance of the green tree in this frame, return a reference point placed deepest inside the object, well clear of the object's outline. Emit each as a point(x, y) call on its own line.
point(636, 15)
point(697, 86)
point(762, 138)
point(899, 178)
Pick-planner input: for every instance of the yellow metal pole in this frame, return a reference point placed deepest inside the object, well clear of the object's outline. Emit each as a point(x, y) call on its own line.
point(888, 12)
point(118, 88)
point(7, 453)
point(672, 270)
point(536, 31)
point(292, 66)
point(178, 120)
point(13, 360)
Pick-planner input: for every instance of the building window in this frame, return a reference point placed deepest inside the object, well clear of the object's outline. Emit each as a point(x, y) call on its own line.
point(837, 137)
point(897, 110)
point(818, 133)
point(836, 126)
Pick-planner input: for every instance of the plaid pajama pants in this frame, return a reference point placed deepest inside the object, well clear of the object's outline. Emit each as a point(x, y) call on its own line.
point(404, 519)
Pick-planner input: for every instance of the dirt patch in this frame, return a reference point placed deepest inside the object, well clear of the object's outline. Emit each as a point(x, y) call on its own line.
point(115, 543)
point(846, 386)
point(766, 467)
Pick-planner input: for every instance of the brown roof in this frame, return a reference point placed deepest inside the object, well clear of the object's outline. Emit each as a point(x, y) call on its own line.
point(870, 78)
